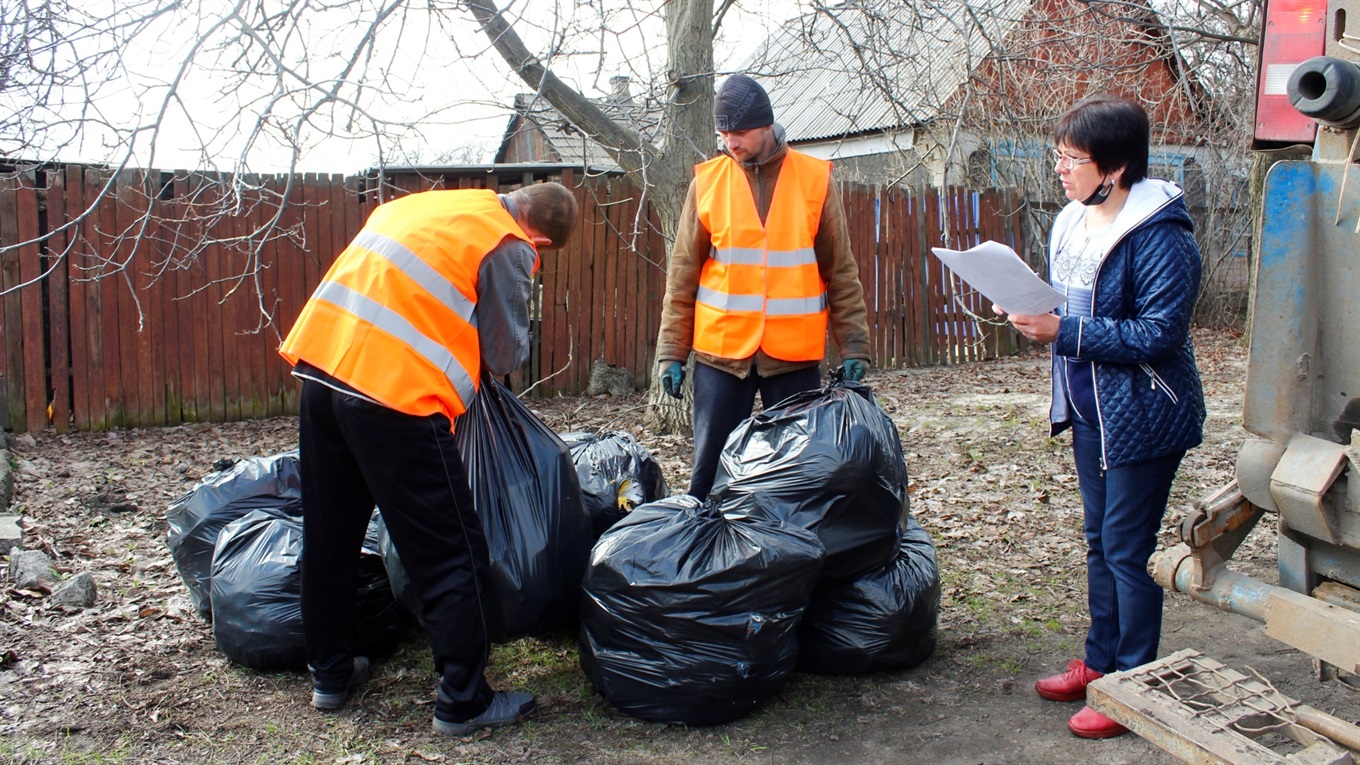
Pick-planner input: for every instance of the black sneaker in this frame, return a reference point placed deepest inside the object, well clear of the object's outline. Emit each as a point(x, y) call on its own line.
point(506, 708)
point(358, 675)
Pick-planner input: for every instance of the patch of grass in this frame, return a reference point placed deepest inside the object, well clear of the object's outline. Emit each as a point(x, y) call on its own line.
point(740, 746)
point(543, 664)
point(67, 752)
point(1008, 664)
point(10, 753)
point(595, 719)
point(982, 608)
point(977, 661)
point(810, 697)
point(290, 758)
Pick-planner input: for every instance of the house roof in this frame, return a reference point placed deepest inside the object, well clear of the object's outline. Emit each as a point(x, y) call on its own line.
point(569, 143)
point(917, 57)
point(814, 66)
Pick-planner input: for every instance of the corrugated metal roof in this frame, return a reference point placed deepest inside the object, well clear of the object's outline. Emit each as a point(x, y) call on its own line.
point(878, 64)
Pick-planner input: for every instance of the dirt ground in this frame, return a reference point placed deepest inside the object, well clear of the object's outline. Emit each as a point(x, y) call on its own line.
point(137, 678)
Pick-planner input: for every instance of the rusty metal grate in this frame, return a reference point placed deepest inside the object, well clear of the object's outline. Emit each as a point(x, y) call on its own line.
point(1225, 700)
point(1202, 711)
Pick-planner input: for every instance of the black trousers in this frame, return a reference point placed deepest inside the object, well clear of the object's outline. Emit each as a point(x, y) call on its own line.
point(722, 401)
point(353, 454)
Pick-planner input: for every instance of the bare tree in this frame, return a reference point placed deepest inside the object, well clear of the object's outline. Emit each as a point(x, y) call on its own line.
point(660, 172)
point(244, 80)
point(122, 80)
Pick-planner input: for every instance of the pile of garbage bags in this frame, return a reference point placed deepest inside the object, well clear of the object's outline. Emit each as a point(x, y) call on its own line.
point(236, 538)
point(195, 519)
point(805, 554)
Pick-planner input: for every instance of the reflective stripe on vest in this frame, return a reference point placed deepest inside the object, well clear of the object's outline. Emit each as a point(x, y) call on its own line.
point(420, 272)
point(760, 287)
point(745, 257)
point(773, 306)
point(395, 316)
point(399, 327)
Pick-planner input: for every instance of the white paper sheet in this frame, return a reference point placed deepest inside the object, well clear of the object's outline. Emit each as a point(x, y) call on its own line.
point(1002, 277)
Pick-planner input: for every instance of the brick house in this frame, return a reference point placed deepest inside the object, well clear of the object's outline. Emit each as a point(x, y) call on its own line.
point(897, 95)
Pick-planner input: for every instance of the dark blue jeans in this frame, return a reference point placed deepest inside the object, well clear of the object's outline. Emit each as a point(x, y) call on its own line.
point(353, 453)
point(1124, 508)
point(722, 401)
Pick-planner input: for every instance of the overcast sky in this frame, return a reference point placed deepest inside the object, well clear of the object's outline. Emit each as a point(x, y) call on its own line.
point(456, 95)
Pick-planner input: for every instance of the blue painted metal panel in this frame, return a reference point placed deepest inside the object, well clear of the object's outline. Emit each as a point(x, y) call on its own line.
point(1284, 327)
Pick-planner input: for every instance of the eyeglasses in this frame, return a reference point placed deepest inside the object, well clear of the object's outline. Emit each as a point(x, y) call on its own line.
point(1067, 161)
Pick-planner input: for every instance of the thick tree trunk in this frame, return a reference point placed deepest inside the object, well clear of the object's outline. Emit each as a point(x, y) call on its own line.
point(688, 138)
point(661, 173)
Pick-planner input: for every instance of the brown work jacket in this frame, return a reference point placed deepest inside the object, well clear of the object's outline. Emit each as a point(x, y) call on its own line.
point(835, 262)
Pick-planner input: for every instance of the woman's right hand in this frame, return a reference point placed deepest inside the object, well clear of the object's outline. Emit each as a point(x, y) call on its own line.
point(1041, 327)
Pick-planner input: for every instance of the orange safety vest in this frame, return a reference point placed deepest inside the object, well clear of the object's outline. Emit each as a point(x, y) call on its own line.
point(760, 287)
point(393, 318)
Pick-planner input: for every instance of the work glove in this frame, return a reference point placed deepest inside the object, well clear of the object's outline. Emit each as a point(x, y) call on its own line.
point(855, 369)
point(672, 377)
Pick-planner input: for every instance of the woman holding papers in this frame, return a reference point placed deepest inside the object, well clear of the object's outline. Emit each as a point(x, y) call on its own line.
point(1124, 376)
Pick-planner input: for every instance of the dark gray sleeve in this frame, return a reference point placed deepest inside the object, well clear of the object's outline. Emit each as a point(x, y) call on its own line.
point(503, 284)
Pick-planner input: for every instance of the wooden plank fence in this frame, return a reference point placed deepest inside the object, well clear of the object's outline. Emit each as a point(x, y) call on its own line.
point(146, 306)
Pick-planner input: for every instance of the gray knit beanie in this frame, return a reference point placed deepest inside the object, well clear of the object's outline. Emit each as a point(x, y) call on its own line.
point(741, 104)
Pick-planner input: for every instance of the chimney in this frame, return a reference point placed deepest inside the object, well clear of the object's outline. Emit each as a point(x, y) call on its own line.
point(618, 86)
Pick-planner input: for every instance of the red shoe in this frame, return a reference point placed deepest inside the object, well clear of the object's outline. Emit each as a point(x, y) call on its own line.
point(1070, 685)
point(1088, 723)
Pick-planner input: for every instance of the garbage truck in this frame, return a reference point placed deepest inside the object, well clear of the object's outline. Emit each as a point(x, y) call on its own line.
point(1299, 468)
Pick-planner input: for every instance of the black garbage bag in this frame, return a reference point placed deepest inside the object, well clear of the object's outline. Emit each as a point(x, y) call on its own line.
point(689, 616)
point(396, 573)
point(616, 473)
point(257, 593)
point(829, 461)
point(885, 619)
point(196, 518)
point(525, 491)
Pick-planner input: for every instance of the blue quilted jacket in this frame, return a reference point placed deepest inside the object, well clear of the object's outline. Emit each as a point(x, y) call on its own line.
point(1148, 395)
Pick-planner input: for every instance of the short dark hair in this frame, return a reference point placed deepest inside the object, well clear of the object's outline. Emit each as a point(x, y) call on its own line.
point(1113, 130)
point(549, 207)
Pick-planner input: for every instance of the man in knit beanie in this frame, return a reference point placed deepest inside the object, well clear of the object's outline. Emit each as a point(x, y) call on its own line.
point(741, 104)
point(760, 270)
